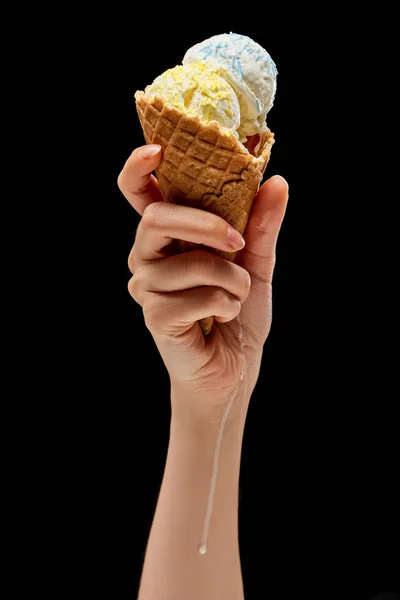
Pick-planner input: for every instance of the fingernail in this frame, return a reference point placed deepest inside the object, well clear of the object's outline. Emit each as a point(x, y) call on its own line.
point(149, 151)
point(235, 240)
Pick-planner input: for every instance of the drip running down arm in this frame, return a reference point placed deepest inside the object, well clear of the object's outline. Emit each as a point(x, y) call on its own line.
point(174, 569)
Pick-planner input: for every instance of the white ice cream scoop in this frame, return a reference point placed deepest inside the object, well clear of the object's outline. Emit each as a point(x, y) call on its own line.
point(248, 68)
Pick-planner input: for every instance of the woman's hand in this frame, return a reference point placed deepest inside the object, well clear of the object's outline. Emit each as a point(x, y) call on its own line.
point(176, 290)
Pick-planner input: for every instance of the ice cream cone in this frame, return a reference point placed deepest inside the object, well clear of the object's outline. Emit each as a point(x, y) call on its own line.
point(203, 166)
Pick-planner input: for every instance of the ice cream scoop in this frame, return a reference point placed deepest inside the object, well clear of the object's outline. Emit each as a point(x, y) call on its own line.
point(196, 89)
point(196, 111)
point(248, 68)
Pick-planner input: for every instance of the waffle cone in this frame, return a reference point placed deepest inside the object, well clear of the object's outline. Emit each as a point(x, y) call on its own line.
point(204, 167)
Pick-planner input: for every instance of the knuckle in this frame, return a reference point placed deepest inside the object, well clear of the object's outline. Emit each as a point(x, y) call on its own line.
point(242, 281)
point(225, 304)
point(152, 313)
point(246, 282)
point(220, 297)
point(136, 286)
point(131, 261)
point(120, 181)
point(151, 216)
point(133, 289)
point(234, 308)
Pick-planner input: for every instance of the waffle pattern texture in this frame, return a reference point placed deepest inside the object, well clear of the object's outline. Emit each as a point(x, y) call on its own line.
point(203, 166)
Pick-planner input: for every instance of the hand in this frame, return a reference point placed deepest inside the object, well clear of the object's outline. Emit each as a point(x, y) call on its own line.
point(176, 290)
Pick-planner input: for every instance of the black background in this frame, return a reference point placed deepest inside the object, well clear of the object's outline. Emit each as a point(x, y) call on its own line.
point(142, 449)
point(317, 510)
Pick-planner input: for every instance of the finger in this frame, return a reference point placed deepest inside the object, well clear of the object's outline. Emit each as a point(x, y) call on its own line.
point(190, 270)
point(263, 227)
point(162, 222)
point(178, 311)
point(136, 181)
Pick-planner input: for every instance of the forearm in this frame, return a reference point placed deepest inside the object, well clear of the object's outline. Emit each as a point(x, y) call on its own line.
point(173, 568)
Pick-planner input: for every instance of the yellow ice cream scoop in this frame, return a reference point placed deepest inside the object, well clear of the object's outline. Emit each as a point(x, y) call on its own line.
point(199, 90)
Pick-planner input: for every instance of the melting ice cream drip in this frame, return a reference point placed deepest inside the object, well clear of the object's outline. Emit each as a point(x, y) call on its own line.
point(217, 451)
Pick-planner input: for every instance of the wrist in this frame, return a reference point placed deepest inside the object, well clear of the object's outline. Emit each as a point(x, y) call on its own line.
point(188, 429)
point(204, 412)
point(205, 402)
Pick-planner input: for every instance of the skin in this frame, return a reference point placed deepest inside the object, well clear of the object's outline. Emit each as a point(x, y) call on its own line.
point(175, 291)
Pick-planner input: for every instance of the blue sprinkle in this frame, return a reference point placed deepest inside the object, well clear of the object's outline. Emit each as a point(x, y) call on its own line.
point(207, 50)
point(240, 69)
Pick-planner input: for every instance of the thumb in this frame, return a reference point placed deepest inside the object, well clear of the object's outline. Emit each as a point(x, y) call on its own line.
point(136, 181)
point(263, 226)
